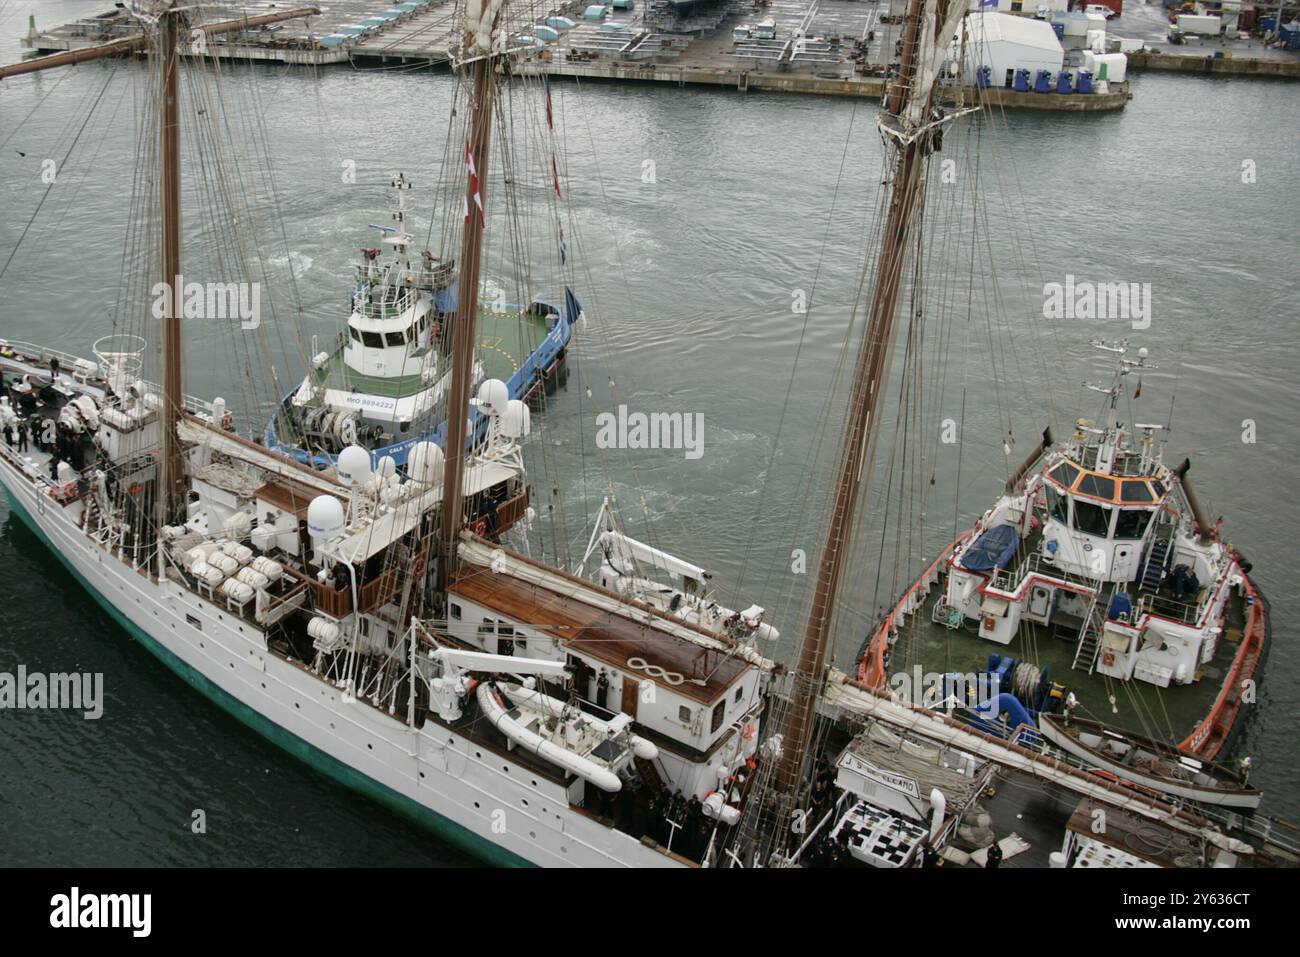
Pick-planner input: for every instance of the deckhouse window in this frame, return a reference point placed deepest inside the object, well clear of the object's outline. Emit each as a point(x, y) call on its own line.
point(395, 338)
point(1135, 492)
point(373, 339)
point(719, 713)
point(356, 333)
point(1065, 473)
point(1097, 485)
point(1132, 523)
point(1058, 506)
point(1092, 519)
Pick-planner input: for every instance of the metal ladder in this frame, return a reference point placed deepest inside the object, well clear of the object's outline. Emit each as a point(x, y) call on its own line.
point(1085, 652)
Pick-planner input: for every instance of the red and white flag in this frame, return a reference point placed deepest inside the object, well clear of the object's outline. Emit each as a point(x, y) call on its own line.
point(473, 186)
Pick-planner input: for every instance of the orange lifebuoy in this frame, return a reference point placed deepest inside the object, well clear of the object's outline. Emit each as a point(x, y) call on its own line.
point(480, 527)
point(1108, 658)
point(228, 421)
point(748, 731)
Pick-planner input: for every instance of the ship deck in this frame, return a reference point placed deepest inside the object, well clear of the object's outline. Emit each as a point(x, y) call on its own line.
point(1167, 714)
point(506, 338)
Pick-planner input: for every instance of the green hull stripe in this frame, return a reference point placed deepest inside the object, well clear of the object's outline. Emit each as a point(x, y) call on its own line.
point(327, 764)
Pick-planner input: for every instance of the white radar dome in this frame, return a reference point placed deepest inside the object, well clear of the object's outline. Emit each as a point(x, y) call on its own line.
point(515, 419)
point(354, 465)
point(493, 396)
point(424, 464)
point(325, 517)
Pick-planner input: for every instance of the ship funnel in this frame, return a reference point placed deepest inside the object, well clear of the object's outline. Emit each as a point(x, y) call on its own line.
point(1034, 456)
point(1194, 503)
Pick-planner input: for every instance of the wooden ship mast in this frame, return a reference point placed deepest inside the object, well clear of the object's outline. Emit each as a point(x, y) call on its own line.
point(910, 125)
point(481, 17)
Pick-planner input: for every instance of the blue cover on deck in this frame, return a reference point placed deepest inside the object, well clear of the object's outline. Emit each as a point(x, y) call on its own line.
point(993, 549)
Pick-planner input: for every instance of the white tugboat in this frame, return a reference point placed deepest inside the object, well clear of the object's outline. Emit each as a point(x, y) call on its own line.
point(384, 384)
point(1096, 569)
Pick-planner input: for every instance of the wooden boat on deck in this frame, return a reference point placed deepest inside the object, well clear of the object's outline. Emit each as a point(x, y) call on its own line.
point(1147, 763)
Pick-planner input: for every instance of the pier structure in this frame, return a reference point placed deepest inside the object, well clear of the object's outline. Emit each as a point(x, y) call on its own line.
point(828, 47)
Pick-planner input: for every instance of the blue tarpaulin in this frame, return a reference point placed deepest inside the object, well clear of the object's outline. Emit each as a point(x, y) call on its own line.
point(993, 549)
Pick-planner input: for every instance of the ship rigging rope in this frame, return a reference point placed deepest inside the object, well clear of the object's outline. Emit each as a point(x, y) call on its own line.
point(63, 75)
point(226, 146)
point(599, 343)
point(87, 165)
point(64, 162)
point(829, 428)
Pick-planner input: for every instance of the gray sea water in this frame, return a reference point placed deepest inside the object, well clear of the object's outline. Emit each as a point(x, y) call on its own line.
point(690, 281)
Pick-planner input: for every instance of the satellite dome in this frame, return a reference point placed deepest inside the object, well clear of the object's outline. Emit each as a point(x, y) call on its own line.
point(424, 464)
point(387, 466)
point(354, 465)
point(515, 419)
point(493, 394)
point(325, 517)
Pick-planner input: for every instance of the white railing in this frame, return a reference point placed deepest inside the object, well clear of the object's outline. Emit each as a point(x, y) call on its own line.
point(30, 350)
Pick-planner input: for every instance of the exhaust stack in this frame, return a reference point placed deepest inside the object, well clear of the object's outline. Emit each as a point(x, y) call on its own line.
point(1034, 456)
point(1194, 503)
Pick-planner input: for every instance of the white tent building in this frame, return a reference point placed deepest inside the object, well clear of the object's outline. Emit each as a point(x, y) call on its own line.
point(1006, 44)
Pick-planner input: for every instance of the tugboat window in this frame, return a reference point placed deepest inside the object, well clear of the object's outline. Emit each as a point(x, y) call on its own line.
point(1132, 523)
point(1065, 473)
point(1057, 505)
point(1092, 519)
point(1135, 492)
point(1097, 485)
point(373, 339)
point(356, 333)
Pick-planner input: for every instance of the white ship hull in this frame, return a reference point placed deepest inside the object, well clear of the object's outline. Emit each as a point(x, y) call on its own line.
point(476, 799)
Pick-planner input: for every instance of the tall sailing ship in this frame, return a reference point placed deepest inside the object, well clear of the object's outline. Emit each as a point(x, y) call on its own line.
point(372, 621)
